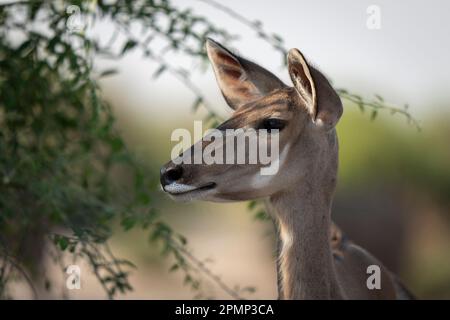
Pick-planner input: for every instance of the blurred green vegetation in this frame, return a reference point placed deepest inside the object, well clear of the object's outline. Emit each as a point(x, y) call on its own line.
point(407, 166)
point(388, 151)
point(68, 176)
point(60, 154)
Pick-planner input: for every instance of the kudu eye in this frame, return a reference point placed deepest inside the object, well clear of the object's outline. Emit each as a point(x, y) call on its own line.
point(272, 124)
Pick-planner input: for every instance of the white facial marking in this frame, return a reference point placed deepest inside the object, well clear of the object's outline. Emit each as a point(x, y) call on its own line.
point(319, 123)
point(178, 188)
point(259, 181)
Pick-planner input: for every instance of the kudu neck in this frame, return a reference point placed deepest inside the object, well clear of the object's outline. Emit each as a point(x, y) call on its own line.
point(303, 218)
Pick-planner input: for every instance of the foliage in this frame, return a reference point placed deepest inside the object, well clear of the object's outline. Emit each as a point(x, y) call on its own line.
point(59, 150)
point(58, 146)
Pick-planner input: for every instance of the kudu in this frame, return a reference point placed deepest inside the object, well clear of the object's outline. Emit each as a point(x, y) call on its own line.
point(315, 260)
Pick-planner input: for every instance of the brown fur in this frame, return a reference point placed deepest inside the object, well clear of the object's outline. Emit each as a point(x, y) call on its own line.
point(315, 259)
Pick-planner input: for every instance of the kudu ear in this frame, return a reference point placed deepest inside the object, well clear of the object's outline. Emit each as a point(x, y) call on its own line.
point(240, 80)
point(321, 100)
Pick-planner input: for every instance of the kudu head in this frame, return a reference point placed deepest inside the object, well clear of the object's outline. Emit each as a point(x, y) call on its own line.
point(305, 116)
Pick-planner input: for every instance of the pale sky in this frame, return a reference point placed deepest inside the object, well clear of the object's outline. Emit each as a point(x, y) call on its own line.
point(406, 61)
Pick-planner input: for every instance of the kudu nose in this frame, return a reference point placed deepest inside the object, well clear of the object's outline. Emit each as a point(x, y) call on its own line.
point(170, 175)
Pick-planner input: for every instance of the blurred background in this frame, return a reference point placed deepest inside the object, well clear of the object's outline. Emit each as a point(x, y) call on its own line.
point(393, 195)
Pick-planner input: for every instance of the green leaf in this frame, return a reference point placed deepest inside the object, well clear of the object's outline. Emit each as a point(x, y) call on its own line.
point(197, 104)
point(361, 106)
point(252, 204)
point(379, 98)
point(187, 279)
point(182, 239)
point(277, 38)
point(108, 72)
point(144, 198)
point(130, 44)
point(128, 223)
point(373, 115)
point(174, 267)
point(261, 215)
point(63, 243)
point(159, 71)
point(116, 144)
point(47, 285)
point(249, 289)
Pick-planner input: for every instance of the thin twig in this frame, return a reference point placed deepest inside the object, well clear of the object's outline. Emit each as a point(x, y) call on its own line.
point(14, 3)
point(19, 268)
point(201, 266)
point(378, 106)
point(173, 71)
point(95, 268)
point(254, 25)
point(257, 27)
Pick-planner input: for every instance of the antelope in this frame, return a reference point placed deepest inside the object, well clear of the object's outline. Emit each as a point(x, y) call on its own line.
point(315, 259)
